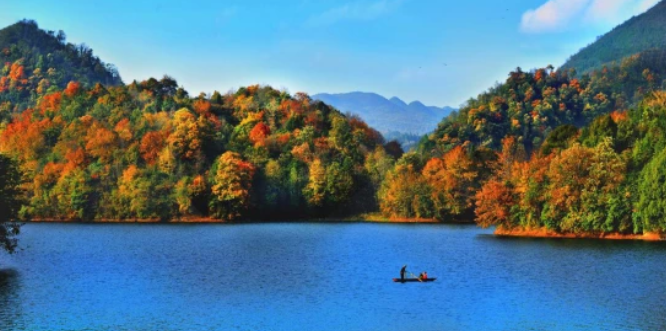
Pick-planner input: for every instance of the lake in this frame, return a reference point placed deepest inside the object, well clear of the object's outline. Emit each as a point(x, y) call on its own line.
point(315, 276)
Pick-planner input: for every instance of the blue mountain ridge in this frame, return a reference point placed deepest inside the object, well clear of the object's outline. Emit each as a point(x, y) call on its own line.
point(388, 115)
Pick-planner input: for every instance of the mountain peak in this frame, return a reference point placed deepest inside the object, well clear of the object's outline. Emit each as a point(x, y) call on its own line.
point(398, 101)
point(416, 104)
point(386, 114)
point(35, 48)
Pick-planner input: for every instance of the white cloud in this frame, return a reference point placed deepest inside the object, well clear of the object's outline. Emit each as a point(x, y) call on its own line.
point(557, 15)
point(551, 16)
point(357, 11)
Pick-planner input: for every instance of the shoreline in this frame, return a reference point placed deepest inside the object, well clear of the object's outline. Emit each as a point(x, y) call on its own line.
point(545, 233)
point(364, 218)
point(371, 218)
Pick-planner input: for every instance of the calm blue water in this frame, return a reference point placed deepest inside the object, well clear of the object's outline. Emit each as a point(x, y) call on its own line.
point(324, 277)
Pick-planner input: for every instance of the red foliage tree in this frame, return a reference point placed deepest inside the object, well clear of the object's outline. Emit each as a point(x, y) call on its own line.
point(151, 145)
point(259, 133)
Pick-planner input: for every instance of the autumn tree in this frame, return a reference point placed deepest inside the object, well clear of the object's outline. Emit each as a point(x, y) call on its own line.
point(101, 142)
point(452, 179)
point(567, 175)
point(493, 204)
point(259, 133)
point(231, 186)
point(72, 89)
point(405, 193)
point(152, 144)
point(315, 190)
point(185, 140)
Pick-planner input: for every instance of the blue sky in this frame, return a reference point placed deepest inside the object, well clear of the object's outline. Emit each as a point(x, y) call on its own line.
point(439, 52)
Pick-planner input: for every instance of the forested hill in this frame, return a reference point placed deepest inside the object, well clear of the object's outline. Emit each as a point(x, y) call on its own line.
point(638, 34)
point(148, 150)
point(33, 61)
point(530, 105)
point(91, 147)
point(532, 116)
point(604, 179)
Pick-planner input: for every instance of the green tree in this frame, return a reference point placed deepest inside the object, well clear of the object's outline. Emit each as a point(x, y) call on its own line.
point(11, 200)
point(75, 196)
point(339, 183)
point(601, 212)
point(651, 207)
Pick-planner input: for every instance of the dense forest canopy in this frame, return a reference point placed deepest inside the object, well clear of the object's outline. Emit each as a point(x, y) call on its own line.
point(529, 105)
point(543, 134)
point(92, 147)
point(43, 50)
point(545, 149)
point(149, 150)
point(34, 61)
point(605, 178)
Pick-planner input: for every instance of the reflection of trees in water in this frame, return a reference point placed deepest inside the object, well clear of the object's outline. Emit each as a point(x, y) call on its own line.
point(10, 304)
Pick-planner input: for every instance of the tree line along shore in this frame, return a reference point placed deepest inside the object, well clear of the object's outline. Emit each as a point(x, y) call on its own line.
point(546, 151)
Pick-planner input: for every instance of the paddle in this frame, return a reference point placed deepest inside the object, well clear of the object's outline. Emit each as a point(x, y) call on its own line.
point(413, 275)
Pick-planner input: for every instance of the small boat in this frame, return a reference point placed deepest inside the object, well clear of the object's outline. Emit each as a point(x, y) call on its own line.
point(398, 280)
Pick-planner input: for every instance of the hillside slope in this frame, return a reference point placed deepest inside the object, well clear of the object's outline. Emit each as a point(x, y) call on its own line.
point(93, 148)
point(529, 105)
point(35, 49)
point(638, 34)
point(34, 61)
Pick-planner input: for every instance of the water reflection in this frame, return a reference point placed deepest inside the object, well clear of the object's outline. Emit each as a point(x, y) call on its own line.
point(10, 304)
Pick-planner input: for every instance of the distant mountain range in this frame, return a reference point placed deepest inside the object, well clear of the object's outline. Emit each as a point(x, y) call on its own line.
point(388, 115)
point(639, 34)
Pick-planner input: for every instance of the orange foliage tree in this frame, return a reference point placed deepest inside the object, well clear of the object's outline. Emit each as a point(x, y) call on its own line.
point(101, 142)
point(259, 133)
point(453, 182)
point(72, 89)
point(493, 204)
point(405, 193)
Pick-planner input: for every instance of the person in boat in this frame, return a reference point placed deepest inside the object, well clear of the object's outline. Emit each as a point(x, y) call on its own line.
point(402, 272)
point(421, 277)
point(425, 275)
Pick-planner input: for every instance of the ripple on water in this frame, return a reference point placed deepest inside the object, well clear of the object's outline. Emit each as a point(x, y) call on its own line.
point(324, 277)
